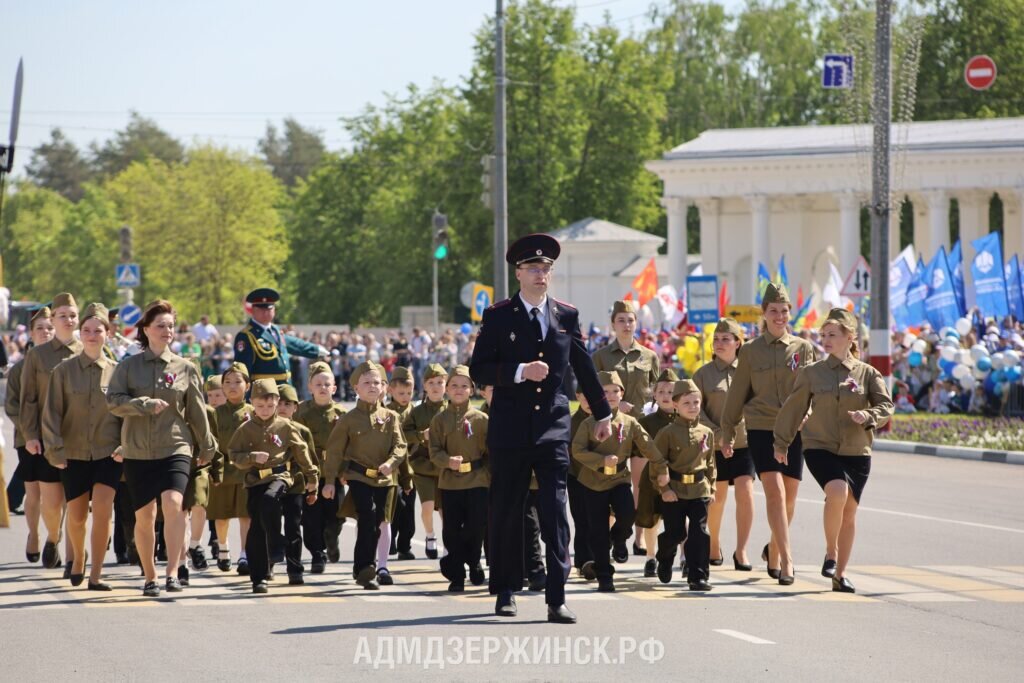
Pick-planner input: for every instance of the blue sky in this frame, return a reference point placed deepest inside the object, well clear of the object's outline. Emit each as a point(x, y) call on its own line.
point(220, 69)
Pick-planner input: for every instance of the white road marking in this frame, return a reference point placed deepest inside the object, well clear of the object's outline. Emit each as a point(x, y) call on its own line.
point(740, 635)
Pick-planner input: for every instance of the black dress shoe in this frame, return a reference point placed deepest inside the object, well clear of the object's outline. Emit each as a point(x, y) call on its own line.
point(319, 563)
point(505, 604)
point(243, 567)
point(842, 585)
point(650, 569)
point(384, 577)
point(740, 567)
point(719, 562)
point(183, 575)
point(224, 564)
point(620, 554)
point(828, 569)
point(664, 571)
point(172, 585)
point(99, 586)
point(151, 589)
point(456, 586)
point(260, 587)
point(538, 583)
point(588, 571)
point(51, 556)
point(295, 580)
point(637, 550)
point(605, 585)
point(560, 614)
point(699, 585)
point(77, 579)
point(477, 576)
point(431, 549)
point(334, 555)
point(367, 578)
point(406, 555)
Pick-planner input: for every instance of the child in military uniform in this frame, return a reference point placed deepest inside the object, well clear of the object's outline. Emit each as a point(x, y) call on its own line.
point(321, 526)
point(416, 428)
point(366, 446)
point(214, 392)
point(577, 505)
point(400, 390)
point(683, 468)
point(647, 515)
point(293, 499)
point(214, 399)
point(458, 445)
point(228, 497)
point(605, 479)
point(267, 448)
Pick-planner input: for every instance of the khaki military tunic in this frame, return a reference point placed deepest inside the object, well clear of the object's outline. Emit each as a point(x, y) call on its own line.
point(77, 424)
point(216, 467)
point(832, 388)
point(686, 448)
point(647, 515)
point(281, 439)
point(230, 416)
point(321, 421)
point(35, 381)
point(713, 379)
point(299, 483)
point(404, 469)
point(763, 380)
point(578, 418)
point(137, 383)
point(628, 438)
point(413, 427)
point(368, 436)
point(460, 430)
point(12, 402)
point(637, 367)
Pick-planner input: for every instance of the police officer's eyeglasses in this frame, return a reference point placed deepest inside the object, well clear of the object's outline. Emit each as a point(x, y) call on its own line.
point(537, 270)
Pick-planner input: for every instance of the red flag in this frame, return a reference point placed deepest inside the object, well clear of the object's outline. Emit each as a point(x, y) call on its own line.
point(809, 319)
point(799, 297)
point(628, 297)
point(646, 283)
point(723, 299)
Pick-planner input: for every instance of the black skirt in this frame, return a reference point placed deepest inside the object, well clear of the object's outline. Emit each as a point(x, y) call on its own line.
point(761, 444)
point(147, 479)
point(853, 469)
point(81, 475)
point(36, 468)
point(741, 464)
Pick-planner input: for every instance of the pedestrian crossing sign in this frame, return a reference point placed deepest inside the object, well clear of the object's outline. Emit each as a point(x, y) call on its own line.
point(127, 275)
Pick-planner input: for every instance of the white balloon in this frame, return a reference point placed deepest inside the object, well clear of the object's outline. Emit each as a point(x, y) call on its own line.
point(945, 331)
point(951, 342)
point(978, 351)
point(961, 371)
point(1011, 358)
point(998, 361)
point(920, 346)
point(968, 382)
point(909, 338)
point(963, 326)
point(963, 356)
point(979, 374)
point(948, 353)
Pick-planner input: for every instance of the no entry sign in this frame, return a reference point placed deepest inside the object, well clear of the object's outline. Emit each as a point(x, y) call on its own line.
point(980, 72)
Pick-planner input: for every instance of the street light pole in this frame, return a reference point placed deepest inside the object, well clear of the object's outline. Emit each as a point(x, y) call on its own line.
point(880, 345)
point(500, 158)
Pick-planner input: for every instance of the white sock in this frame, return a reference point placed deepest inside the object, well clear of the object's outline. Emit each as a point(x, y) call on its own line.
point(243, 557)
point(193, 545)
point(383, 546)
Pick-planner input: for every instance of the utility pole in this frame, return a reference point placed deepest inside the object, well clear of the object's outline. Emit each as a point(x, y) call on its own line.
point(880, 345)
point(500, 158)
point(440, 251)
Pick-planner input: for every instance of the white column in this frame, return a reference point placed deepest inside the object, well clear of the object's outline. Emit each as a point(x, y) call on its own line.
point(710, 235)
point(973, 224)
point(938, 222)
point(675, 210)
point(849, 231)
point(1013, 222)
point(760, 218)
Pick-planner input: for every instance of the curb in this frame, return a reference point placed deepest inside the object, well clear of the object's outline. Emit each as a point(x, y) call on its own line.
point(957, 452)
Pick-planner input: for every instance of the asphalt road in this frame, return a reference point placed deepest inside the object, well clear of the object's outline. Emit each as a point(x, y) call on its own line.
point(939, 567)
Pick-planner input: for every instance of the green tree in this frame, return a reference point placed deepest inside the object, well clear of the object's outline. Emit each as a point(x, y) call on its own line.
point(207, 230)
point(293, 155)
point(59, 166)
point(141, 139)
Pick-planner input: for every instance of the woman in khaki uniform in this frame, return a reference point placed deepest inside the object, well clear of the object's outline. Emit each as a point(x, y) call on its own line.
point(849, 400)
point(35, 380)
point(458, 446)
point(763, 379)
point(714, 379)
point(160, 397)
point(637, 367)
point(82, 440)
point(606, 483)
point(41, 331)
point(366, 446)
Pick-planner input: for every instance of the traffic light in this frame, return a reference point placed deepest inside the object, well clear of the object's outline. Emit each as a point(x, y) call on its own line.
point(487, 180)
point(440, 236)
point(125, 235)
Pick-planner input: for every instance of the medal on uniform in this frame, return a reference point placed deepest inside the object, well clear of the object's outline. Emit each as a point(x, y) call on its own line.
point(512, 336)
point(276, 440)
point(246, 417)
point(467, 428)
point(794, 362)
point(169, 378)
point(704, 443)
point(851, 384)
point(622, 433)
point(381, 420)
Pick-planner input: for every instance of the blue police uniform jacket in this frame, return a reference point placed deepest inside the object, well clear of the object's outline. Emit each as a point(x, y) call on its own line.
point(264, 351)
point(532, 413)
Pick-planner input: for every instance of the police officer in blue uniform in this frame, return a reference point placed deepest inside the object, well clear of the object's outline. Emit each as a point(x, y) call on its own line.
point(262, 347)
point(525, 348)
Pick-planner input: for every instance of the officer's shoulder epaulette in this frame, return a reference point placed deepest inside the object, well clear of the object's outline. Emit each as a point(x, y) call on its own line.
point(500, 304)
point(569, 307)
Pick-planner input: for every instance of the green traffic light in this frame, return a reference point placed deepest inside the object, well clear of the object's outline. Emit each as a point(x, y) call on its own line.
point(440, 251)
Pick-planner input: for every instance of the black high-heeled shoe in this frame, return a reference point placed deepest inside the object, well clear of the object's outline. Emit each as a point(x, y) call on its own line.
point(740, 567)
point(828, 569)
point(842, 585)
point(719, 562)
point(638, 551)
point(774, 573)
point(786, 580)
point(76, 579)
point(32, 557)
point(764, 553)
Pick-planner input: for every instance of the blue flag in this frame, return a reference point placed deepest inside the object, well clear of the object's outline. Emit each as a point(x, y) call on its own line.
point(899, 285)
point(782, 276)
point(763, 278)
point(1014, 292)
point(956, 267)
point(940, 308)
point(917, 292)
point(989, 278)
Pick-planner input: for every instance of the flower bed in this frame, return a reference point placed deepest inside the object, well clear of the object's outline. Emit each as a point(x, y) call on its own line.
point(998, 434)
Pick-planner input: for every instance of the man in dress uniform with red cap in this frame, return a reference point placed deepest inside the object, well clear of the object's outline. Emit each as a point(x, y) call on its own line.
point(525, 347)
point(262, 347)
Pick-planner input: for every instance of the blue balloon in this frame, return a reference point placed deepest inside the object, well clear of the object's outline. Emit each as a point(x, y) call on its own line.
point(947, 367)
point(999, 376)
point(953, 334)
point(984, 363)
point(466, 328)
point(915, 359)
point(1013, 374)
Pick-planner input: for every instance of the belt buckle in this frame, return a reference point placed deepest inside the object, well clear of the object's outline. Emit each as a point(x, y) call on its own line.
point(687, 479)
point(610, 470)
point(465, 467)
point(371, 473)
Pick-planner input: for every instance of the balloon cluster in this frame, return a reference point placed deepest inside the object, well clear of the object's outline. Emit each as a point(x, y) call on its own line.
point(968, 367)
